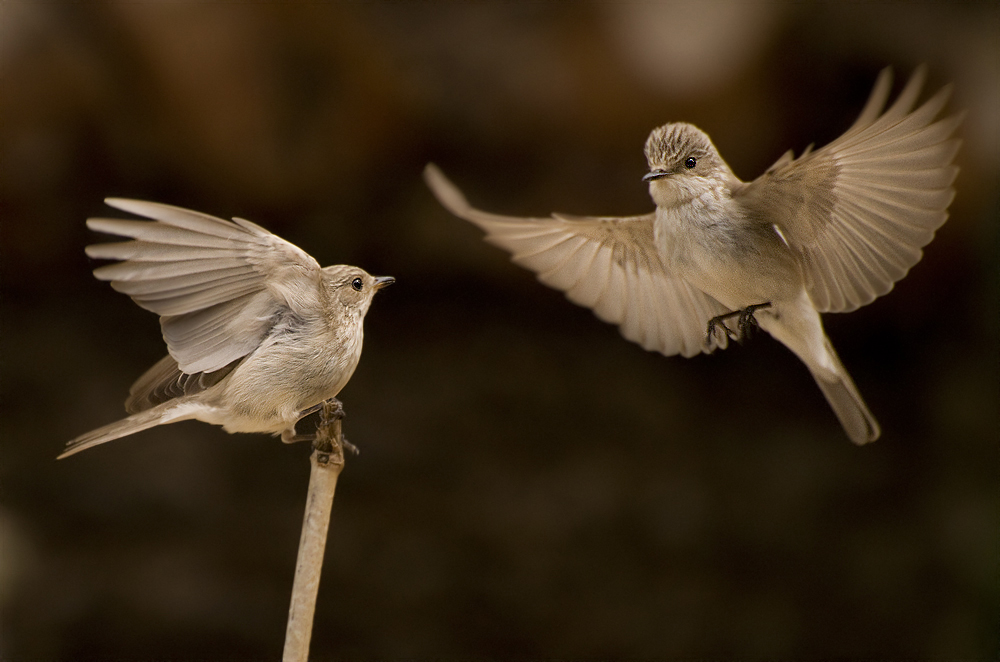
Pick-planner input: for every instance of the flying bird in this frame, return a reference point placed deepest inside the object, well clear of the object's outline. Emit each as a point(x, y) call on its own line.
point(828, 231)
point(259, 336)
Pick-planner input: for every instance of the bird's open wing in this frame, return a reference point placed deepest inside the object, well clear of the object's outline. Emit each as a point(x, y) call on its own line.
point(218, 285)
point(859, 210)
point(607, 264)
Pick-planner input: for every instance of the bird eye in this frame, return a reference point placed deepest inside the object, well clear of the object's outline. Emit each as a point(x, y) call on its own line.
point(691, 162)
point(356, 284)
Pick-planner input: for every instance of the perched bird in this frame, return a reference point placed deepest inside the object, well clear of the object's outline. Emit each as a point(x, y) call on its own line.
point(259, 335)
point(827, 232)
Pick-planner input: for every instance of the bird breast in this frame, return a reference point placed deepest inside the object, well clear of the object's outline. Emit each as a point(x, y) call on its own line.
point(722, 253)
point(293, 369)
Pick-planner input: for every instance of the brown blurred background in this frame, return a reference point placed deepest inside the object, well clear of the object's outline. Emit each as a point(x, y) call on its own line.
point(531, 484)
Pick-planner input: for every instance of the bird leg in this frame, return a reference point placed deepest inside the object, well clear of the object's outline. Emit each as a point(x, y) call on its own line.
point(330, 410)
point(745, 323)
point(338, 408)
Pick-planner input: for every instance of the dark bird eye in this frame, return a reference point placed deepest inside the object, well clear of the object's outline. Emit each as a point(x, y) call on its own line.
point(356, 284)
point(691, 162)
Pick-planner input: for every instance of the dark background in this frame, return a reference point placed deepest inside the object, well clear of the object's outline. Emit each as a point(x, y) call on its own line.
point(531, 485)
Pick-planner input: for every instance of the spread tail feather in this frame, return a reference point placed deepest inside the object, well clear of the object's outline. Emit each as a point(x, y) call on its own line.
point(845, 400)
point(168, 412)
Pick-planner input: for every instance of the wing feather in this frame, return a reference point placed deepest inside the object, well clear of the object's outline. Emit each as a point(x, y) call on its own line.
point(145, 251)
point(194, 221)
point(156, 233)
point(158, 288)
point(219, 286)
point(165, 381)
point(859, 210)
point(614, 301)
point(134, 270)
point(607, 264)
point(201, 299)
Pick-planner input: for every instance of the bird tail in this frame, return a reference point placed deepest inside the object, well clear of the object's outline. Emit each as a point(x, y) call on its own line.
point(167, 412)
point(845, 400)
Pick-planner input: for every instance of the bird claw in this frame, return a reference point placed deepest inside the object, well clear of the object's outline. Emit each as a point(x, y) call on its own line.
point(329, 411)
point(719, 320)
point(745, 322)
point(332, 410)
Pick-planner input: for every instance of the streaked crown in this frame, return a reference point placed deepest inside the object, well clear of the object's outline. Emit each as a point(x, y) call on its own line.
point(671, 144)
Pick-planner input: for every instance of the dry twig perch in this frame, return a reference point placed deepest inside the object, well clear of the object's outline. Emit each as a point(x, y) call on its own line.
point(326, 461)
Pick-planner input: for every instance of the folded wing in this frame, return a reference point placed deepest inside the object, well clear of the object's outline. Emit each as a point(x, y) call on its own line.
point(165, 381)
point(218, 286)
point(859, 210)
point(607, 264)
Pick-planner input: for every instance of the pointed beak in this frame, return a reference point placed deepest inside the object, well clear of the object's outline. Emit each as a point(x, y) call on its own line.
point(654, 174)
point(383, 281)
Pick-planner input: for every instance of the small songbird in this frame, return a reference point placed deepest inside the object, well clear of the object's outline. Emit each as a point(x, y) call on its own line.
point(827, 232)
point(259, 335)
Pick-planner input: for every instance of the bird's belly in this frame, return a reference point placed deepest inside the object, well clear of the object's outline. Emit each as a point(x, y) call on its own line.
point(737, 278)
point(268, 391)
point(735, 262)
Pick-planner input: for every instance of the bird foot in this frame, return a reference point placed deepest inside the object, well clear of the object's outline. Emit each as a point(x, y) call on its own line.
point(745, 323)
point(720, 320)
point(330, 411)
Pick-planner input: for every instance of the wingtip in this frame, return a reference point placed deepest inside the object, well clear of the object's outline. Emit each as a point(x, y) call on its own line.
point(74, 446)
point(870, 435)
point(94, 251)
point(917, 78)
point(445, 191)
point(431, 170)
point(121, 203)
point(142, 208)
point(885, 76)
point(102, 225)
point(876, 103)
point(436, 179)
point(66, 453)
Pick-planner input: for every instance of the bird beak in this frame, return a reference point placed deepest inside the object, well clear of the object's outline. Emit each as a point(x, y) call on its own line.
point(654, 174)
point(383, 281)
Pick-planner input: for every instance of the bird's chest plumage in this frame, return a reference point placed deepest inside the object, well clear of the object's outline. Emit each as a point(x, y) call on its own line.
point(712, 245)
point(299, 365)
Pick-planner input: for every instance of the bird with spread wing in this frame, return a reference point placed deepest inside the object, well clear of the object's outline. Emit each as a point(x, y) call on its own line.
point(828, 231)
point(259, 335)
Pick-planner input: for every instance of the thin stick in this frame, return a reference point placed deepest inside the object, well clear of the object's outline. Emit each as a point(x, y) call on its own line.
point(326, 462)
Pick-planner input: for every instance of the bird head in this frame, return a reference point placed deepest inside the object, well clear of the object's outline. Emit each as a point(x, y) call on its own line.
point(352, 287)
point(683, 164)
